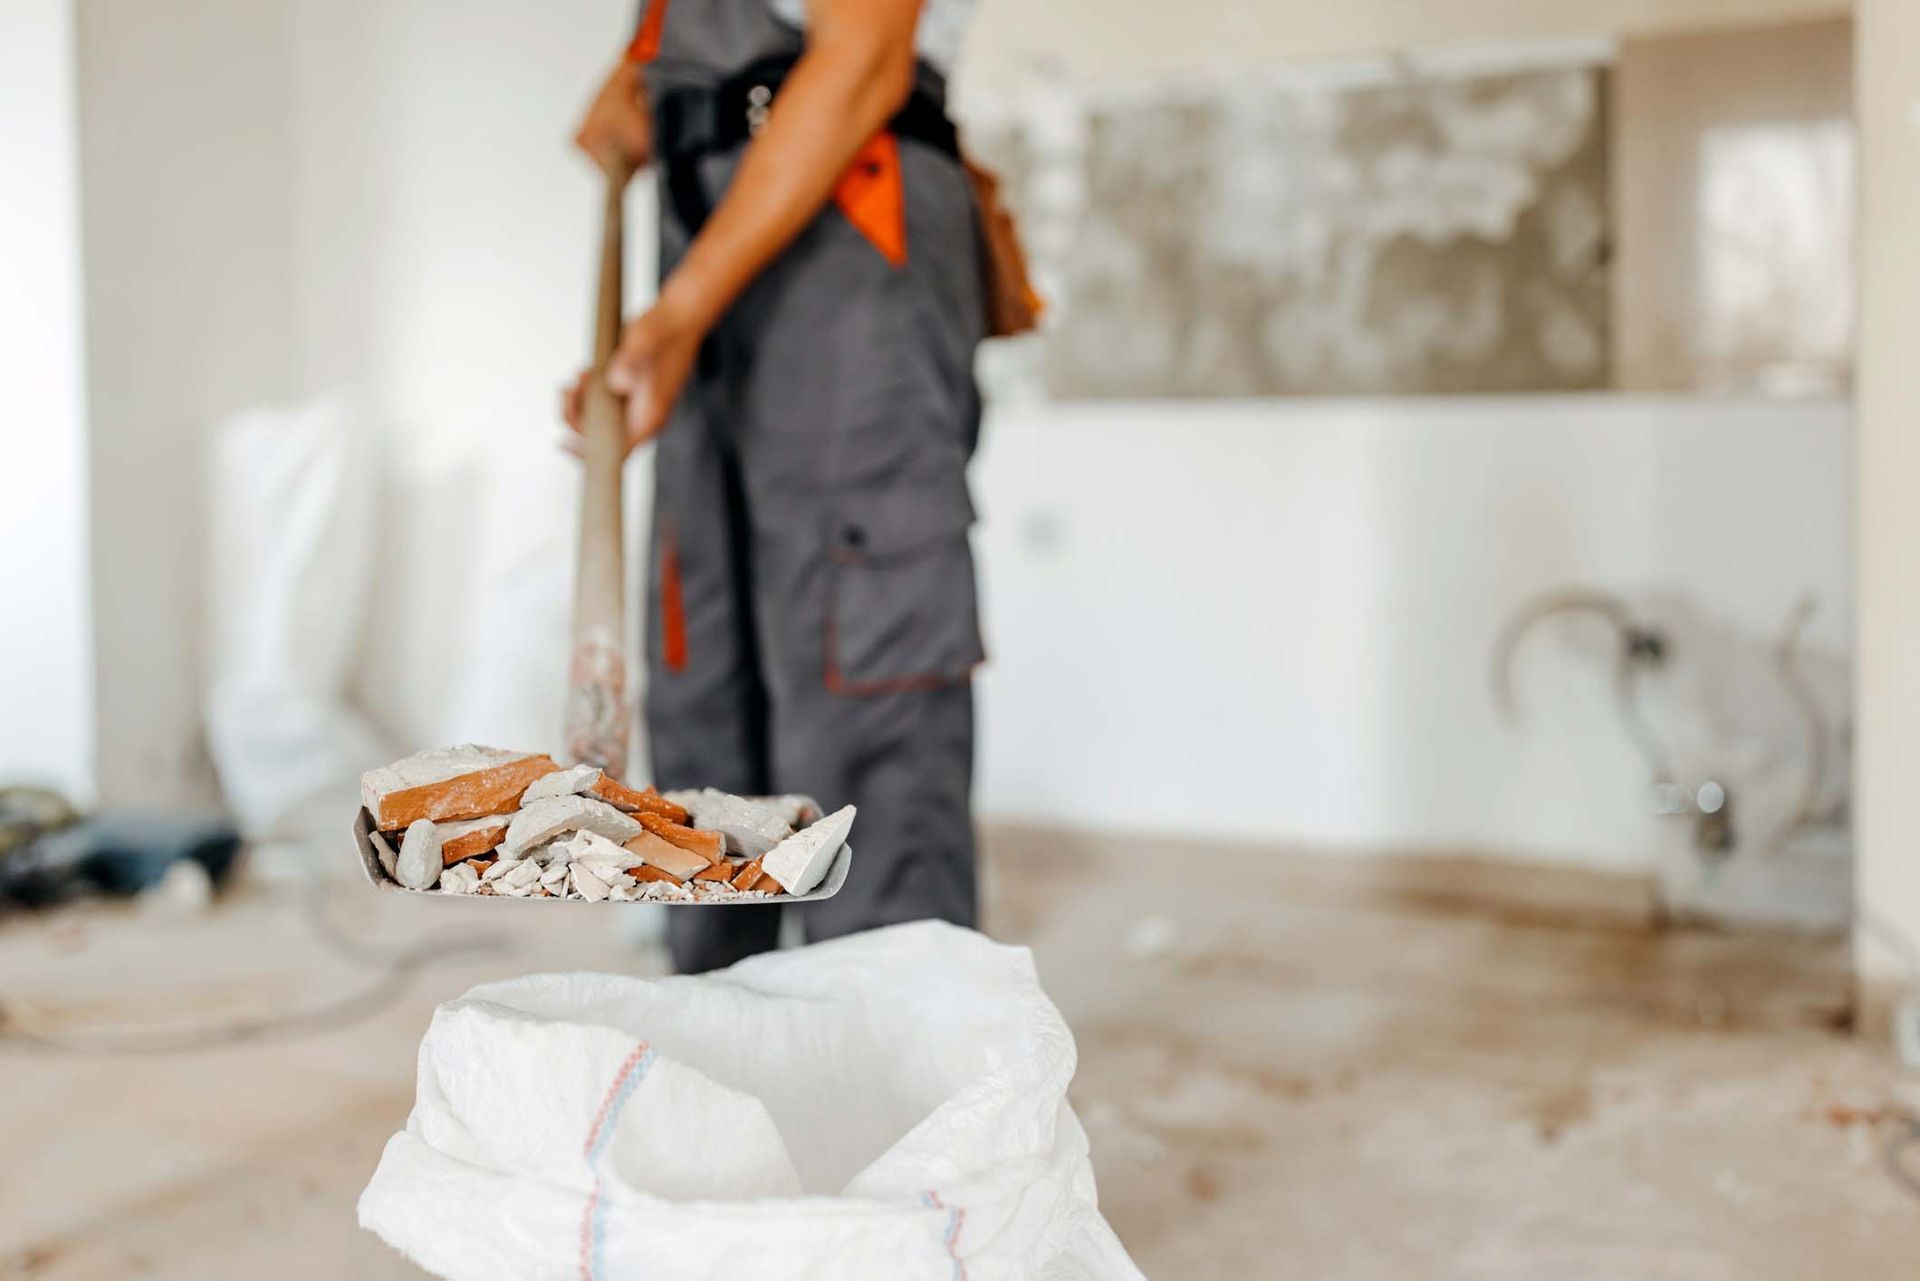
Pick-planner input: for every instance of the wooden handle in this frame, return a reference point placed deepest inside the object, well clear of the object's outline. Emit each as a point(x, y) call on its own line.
point(606, 312)
point(598, 720)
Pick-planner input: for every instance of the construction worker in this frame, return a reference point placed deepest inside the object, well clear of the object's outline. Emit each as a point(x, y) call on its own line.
point(806, 374)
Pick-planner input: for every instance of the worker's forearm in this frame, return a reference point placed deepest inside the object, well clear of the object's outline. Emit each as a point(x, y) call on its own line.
point(842, 90)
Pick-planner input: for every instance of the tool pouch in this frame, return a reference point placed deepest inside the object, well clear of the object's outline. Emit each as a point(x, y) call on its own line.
point(1013, 306)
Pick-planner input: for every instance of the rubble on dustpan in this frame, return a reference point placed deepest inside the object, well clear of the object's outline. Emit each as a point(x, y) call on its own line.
point(480, 820)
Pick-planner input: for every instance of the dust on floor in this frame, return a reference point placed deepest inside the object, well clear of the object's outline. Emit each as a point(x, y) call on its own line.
point(1287, 1067)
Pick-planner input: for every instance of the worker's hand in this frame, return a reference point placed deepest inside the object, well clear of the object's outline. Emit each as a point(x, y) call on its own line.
point(650, 367)
point(648, 371)
point(617, 131)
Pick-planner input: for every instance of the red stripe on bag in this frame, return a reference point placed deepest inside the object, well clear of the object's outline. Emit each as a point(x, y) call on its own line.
point(592, 1224)
point(956, 1218)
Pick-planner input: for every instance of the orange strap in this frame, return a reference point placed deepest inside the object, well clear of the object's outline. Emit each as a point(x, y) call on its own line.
point(646, 41)
point(673, 608)
point(873, 197)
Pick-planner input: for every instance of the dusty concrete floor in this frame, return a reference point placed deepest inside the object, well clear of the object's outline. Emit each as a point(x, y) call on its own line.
point(1289, 1067)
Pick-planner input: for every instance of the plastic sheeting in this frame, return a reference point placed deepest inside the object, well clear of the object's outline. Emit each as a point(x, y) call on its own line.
point(291, 529)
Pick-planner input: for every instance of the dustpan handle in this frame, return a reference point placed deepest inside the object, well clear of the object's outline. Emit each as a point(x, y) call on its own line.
point(598, 722)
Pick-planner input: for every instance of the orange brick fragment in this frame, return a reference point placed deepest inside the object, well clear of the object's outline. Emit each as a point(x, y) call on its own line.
point(486, 791)
point(666, 856)
point(637, 800)
point(708, 845)
point(485, 835)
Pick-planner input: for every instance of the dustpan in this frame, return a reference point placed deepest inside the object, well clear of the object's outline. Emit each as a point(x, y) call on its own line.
point(376, 860)
point(597, 714)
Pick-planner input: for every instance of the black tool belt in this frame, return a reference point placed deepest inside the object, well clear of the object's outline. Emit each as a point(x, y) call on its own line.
point(691, 123)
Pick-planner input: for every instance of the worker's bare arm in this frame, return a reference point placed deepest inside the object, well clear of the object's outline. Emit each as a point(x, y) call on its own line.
point(616, 130)
point(856, 71)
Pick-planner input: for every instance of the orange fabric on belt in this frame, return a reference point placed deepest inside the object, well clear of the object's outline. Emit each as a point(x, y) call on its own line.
point(646, 41)
point(874, 198)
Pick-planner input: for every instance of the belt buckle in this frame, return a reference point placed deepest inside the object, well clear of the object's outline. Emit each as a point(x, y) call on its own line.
point(759, 99)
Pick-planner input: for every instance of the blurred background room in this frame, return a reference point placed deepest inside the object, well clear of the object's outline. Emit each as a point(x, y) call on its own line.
point(1446, 564)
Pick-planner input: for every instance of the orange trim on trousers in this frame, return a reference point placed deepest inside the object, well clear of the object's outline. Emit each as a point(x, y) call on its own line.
point(673, 608)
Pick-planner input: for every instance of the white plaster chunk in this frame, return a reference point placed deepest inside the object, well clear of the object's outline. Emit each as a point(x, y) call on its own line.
point(588, 884)
point(418, 864)
point(518, 879)
point(557, 814)
point(658, 892)
point(500, 869)
point(551, 851)
point(459, 879)
point(752, 827)
point(605, 855)
point(801, 861)
point(522, 881)
point(388, 859)
point(797, 810)
point(555, 873)
point(564, 782)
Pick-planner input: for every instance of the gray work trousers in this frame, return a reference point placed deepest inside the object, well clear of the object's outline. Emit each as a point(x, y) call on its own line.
point(813, 624)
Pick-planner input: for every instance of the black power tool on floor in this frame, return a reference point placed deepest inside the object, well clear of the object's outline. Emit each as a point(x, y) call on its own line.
point(51, 853)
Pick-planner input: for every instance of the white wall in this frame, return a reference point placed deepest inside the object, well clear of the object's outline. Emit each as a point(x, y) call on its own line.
point(1888, 88)
point(46, 714)
point(445, 242)
point(186, 168)
point(1275, 619)
point(371, 203)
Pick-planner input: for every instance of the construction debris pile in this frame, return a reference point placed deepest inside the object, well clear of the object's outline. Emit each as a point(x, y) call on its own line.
point(480, 820)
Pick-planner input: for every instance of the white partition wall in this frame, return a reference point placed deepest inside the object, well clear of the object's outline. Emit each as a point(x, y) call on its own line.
point(1888, 871)
point(46, 713)
point(1275, 620)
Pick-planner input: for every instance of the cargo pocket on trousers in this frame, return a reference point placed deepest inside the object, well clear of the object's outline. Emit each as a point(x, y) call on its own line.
point(902, 611)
